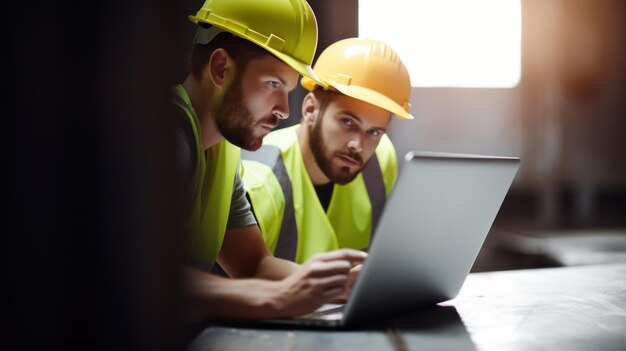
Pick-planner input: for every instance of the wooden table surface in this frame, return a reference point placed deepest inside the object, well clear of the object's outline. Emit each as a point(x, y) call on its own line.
point(566, 308)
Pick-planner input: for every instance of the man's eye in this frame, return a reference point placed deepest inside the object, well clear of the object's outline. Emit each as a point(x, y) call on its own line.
point(375, 132)
point(347, 121)
point(273, 83)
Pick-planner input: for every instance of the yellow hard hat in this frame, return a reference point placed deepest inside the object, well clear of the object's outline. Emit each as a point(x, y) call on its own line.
point(285, 28)
point(367, 70)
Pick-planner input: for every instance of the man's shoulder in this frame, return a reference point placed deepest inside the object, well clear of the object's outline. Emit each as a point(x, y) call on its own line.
point(282, 138)
point(385, 148)
point(385, 142)
point(274, 144)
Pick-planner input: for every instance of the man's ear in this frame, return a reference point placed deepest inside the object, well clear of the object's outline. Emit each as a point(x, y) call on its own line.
point(310, 108)
point(219, 67)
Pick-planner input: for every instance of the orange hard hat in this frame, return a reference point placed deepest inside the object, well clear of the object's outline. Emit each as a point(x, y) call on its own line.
point(368, 70)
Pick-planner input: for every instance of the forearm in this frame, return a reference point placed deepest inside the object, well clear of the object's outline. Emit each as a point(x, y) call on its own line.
point(208, 296)
point(292, 289)
point(274, 268)
point(252, 260)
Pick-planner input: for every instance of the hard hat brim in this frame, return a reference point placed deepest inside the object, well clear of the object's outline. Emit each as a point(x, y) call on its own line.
point(302, 68)
point(374, 98)
point(364, 94)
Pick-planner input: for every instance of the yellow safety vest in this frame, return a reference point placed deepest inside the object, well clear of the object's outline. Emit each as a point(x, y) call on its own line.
point(214, 178)
point(290, 215)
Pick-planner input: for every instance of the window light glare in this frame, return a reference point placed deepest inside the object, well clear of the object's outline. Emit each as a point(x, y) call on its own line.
point(450, 43)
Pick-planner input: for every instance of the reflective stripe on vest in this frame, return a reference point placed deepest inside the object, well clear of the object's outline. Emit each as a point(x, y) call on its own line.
point(270, 156)
point(275, 175)
point(214, 177)
point(373, 177)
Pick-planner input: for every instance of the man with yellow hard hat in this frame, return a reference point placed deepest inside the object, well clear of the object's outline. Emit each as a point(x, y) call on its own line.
point(247, 56)
point(329, 176)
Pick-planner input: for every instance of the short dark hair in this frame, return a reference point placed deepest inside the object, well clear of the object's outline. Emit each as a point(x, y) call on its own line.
point(323, 96)
point(241, 51)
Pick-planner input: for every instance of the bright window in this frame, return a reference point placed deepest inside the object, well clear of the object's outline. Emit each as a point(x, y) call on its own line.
point(450, 43)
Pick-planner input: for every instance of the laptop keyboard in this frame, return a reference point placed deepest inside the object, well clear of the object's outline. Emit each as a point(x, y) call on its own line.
point(327, 314)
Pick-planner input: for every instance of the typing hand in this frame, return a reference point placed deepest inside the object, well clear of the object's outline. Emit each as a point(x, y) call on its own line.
point(323, 278)
point(352, 275)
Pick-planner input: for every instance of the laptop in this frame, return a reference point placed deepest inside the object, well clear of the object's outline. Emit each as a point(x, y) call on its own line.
point(431, 230)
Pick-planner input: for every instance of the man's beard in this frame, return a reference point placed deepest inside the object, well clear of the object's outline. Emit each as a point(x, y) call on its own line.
point(235, 122)
point(323, 157)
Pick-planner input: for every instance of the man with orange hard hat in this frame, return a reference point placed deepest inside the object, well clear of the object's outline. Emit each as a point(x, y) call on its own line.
point(328, 177)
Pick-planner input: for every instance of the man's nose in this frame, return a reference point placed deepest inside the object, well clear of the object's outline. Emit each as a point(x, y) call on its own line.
point(356, 143)
point(281, 109)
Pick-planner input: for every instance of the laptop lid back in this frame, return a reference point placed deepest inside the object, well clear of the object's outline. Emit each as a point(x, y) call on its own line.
point(432, 228)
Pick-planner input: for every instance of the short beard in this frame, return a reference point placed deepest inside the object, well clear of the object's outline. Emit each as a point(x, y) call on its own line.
point(234, 120)
point(319, 150)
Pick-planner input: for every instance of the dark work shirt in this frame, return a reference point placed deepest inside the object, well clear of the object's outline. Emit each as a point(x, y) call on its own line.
point(324, 194)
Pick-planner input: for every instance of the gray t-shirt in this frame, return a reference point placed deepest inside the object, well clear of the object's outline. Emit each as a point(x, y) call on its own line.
point(240, 214)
